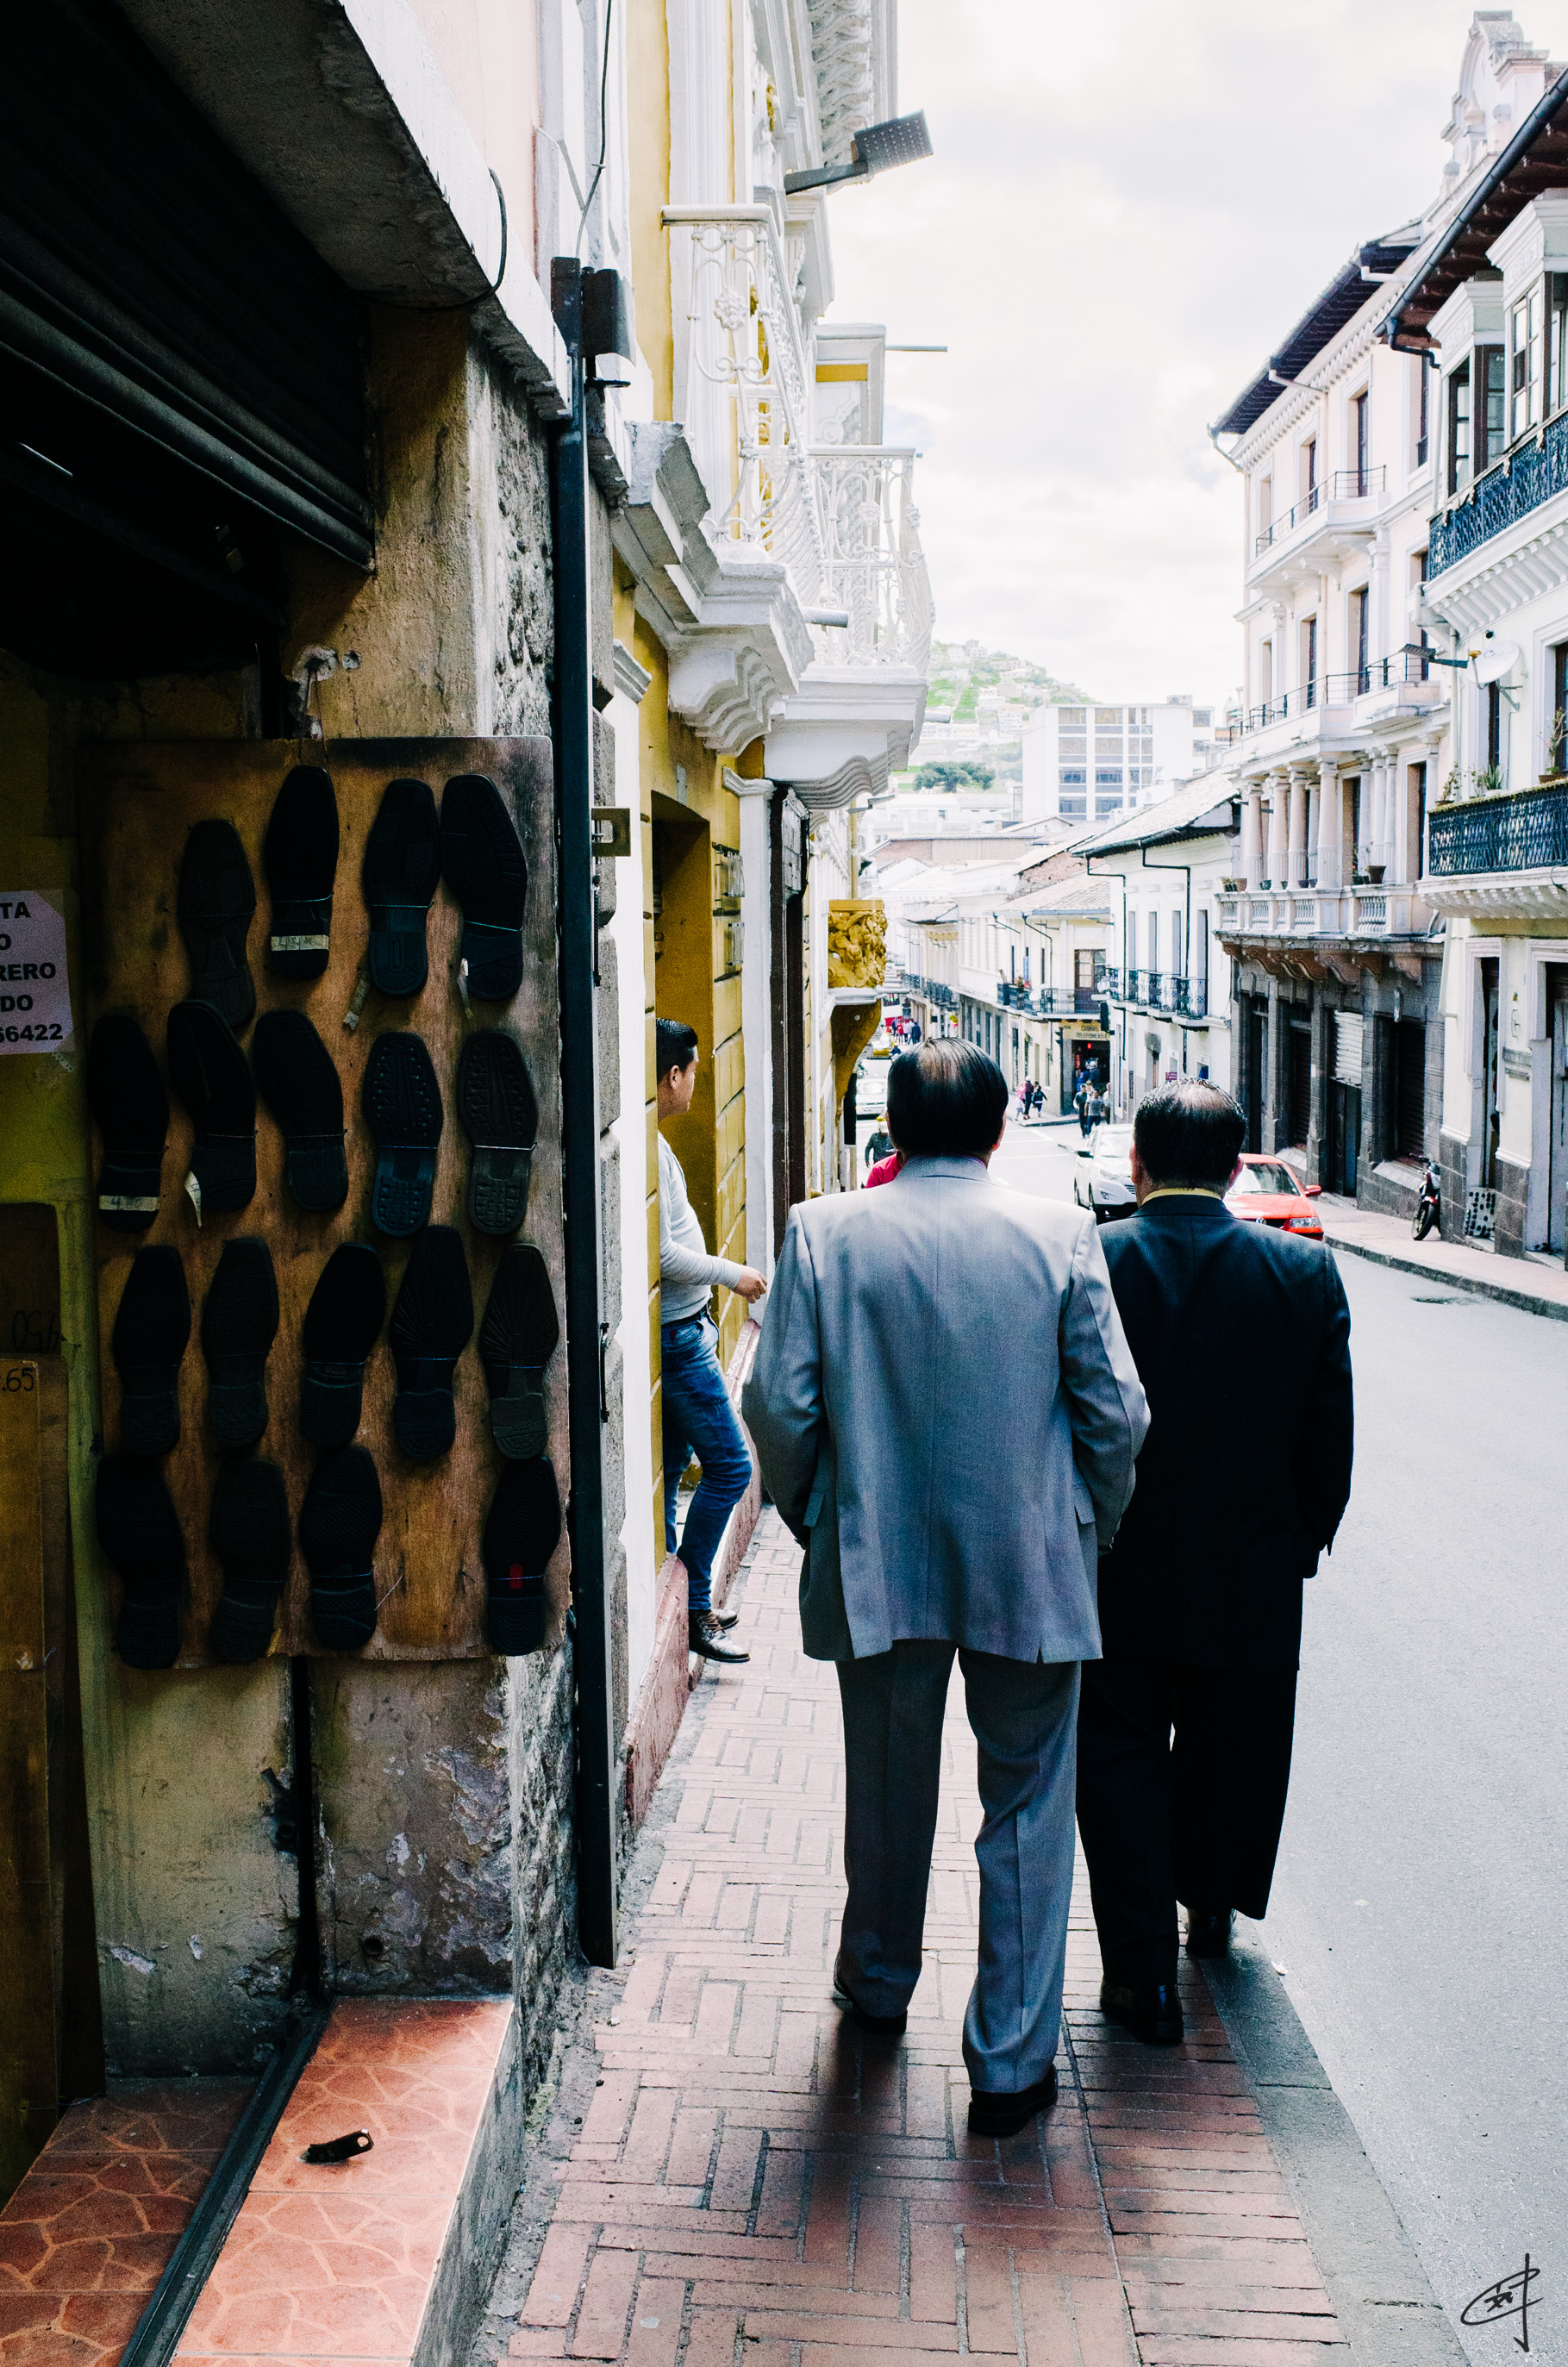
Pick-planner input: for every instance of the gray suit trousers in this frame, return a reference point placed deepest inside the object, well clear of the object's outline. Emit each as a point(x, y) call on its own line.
point(1024, 1716)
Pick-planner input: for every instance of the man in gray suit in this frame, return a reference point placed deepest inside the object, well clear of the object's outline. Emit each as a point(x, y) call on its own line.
point(947, 1417)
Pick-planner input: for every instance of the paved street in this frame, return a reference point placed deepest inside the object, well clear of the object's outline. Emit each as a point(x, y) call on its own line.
point(1423, 1886)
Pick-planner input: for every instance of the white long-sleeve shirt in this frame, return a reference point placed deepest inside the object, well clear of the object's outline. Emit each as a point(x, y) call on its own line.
point(686, 1273)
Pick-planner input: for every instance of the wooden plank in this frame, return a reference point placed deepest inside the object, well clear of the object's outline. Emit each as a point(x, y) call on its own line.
point(28, 2083)
point(138, 802)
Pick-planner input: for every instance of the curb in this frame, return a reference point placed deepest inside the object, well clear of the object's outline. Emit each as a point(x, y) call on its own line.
point(1380, 2293)
point(1526, 1300)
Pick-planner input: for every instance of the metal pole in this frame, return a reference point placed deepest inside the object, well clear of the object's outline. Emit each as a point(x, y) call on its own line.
point(580, 1142)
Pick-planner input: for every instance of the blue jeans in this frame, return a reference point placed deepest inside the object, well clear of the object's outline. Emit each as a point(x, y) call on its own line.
point(699, 1418)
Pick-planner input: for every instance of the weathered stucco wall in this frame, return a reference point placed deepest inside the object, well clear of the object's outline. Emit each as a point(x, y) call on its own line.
point(444, 1791)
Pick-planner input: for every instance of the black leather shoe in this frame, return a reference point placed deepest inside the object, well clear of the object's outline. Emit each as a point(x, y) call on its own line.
point(724, 1619)
point(1208, 1930)
point(1150, 2012)
point(994, 2115)
point(875, 2025)
point(703, 1637)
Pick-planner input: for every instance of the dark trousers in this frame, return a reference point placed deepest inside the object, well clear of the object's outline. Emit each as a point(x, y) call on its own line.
point(1182, 1777)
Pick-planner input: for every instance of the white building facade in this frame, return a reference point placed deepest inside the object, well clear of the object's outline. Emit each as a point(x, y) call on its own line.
point(1085, 763)
point(1344, 738)
point(1487, 310)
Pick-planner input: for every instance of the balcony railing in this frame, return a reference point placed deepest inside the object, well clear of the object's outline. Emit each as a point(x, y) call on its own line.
point(874, 566)
point(1154, 990)
point(1524, 831)
point(1505, 493)
point(745, 392)
point(1344, 485)
point(1054, 1001)
point(841, 517)
point(1335, 690)
point(934, 991)
point(1354, 911)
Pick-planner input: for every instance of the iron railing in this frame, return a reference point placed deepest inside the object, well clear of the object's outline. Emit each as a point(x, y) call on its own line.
point(1343, 485)
point(874, 566)
point(934, 991)
point(1154, 990)
point(1526, 831)
point(1108, 980)
point(1509, 492)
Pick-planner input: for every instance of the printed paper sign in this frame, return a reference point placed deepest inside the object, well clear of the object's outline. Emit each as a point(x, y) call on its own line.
point(35, 992)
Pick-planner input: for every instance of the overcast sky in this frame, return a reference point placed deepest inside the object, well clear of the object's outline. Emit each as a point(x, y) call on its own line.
point(1130, 201)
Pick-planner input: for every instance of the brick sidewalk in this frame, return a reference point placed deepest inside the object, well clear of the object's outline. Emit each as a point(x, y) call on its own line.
point(754, 2182)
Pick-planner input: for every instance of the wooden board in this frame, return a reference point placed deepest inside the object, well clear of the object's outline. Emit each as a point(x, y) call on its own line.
point(29, 2090)
point(137, 803)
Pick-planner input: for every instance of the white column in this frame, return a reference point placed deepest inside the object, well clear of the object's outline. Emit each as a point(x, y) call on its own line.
point(1331, 868)
point(1251, 832)
point(1278, 830)
point(1312, 820)
point(1297, 849)
point(756, 1016)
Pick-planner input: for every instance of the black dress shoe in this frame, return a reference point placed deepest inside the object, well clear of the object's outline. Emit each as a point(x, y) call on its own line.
point(1151, 2012)
point(1208, 1930)
point(992, 2115)
point(704, 1636)
point(875, 2025)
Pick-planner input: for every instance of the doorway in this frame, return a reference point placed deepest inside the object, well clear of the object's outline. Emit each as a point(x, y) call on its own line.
point(1256, 1074)
point(1491, 1118)
point(1557, 1140)
point(1301, 1084)
point(1344, 1104)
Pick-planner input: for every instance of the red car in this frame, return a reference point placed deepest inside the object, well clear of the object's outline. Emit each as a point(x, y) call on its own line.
point(1266, 1193)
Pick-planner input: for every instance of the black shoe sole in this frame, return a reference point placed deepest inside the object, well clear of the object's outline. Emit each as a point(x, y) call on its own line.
point(213, 870)
point(875, 2025)
point(401, 1101)
point(500, 1116)
point(483, 865)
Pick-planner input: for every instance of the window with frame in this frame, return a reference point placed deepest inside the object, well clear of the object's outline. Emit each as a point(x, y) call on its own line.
point(1422, 407)
point(1556, 341)
point(1495, 727)
point(1309, 660)
point(1491, 373)
point(1309, 472)
point(1459, 427)
point(1266, 508)
point(1557, 722)
point(1361, 626)
point(1360, 440)
point(1524, 365)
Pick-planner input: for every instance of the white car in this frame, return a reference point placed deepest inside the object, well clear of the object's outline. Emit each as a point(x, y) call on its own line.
point(1102, 1180)
point(871, 1090)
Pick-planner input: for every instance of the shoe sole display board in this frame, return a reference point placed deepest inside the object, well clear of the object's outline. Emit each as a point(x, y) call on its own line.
point(139, 803)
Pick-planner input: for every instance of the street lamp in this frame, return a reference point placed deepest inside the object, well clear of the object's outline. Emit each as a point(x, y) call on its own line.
point(903, 141)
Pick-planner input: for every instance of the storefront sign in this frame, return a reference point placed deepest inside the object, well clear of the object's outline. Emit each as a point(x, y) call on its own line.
point(35, 992)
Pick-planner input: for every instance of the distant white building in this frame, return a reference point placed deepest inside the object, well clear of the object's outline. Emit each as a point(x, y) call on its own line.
point(1087, 763)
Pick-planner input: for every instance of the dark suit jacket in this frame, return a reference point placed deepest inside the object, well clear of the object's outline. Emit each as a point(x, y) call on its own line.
point(1242, 1340)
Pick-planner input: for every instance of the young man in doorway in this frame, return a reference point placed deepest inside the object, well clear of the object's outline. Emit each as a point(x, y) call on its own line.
point(697, 1412)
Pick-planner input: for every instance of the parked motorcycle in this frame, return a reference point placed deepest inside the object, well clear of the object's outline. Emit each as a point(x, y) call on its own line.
point(1427, 1203)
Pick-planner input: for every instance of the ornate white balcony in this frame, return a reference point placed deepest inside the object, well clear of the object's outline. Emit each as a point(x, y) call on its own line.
point(874, 568)
point(842, 518)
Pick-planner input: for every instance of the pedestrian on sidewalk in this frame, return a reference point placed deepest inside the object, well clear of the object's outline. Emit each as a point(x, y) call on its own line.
point(897, 1314)
point(697, 1409)
point(1241, 1335)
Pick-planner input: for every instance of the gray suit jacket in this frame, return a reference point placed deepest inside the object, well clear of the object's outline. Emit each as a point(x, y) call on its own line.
point(946, 1416)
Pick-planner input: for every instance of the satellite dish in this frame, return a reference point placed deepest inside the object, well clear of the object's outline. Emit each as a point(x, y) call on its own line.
point(1495, 659)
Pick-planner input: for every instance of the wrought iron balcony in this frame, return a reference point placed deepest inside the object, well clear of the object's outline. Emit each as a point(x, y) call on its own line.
point(1526, 831)
point(1343, 485)
point(1075, 1001)
point(1013, 994)
point(874, 566)
point(1517, 485)
point(934, 991)
point(1108, 980)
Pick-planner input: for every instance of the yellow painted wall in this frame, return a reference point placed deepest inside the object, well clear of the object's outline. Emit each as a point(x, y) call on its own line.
point(648, 140)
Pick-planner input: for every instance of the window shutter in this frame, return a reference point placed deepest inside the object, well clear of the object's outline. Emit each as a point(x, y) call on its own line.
point(1347, 1047)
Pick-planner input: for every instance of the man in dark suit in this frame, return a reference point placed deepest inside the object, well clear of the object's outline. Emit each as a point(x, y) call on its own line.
point(1242, 1339)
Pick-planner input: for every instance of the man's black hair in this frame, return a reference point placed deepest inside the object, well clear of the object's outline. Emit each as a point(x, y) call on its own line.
point(1190, 1135)
point(945, 1099)
point(675, 1046)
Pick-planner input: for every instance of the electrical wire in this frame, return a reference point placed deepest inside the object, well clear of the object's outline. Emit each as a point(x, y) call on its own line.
point(603, 130)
